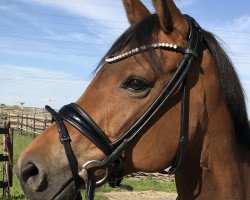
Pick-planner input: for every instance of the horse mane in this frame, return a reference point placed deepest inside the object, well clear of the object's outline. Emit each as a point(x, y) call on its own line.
point(231, 88)
point(145, 32)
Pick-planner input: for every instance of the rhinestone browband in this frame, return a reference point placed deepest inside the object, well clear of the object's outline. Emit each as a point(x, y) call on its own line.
point(166, 46)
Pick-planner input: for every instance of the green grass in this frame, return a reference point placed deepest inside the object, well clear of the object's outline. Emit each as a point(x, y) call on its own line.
point(148, 184)
point(21, 141)
point(151, 184)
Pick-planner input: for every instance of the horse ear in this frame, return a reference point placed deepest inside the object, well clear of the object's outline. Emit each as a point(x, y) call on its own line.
point(169, 15)
point(135, 10)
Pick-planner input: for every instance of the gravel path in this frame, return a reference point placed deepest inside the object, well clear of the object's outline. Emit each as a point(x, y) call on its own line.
point(145, 195)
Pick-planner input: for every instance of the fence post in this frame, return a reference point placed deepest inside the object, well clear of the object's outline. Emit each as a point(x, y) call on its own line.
point(7, 159)
point(22, 124)
point(18, 122)
point(34, 127)
point(27, 123)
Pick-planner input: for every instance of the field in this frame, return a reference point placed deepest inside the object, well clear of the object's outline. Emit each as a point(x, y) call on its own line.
point(105, 192)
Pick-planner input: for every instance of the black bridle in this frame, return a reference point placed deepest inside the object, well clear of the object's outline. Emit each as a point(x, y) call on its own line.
point(80, 120)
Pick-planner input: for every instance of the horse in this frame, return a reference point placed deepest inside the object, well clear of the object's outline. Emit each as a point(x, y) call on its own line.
point(165, 95)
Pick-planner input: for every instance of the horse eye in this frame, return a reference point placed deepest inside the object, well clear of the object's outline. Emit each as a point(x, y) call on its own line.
point(136, 84)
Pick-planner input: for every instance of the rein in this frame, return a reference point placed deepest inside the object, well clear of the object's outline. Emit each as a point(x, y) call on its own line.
point(80, 120)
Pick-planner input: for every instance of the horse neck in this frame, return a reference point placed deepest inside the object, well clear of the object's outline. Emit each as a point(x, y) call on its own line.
point(212, 168)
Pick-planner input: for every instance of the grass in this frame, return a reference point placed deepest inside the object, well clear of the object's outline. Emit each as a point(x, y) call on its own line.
point(21, 141)
point(148, 184)
point(151, 184)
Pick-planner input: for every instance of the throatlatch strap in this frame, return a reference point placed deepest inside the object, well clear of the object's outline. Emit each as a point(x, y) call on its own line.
point(183, 131)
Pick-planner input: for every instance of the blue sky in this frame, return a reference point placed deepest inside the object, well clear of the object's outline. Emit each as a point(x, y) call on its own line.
point(48, 49)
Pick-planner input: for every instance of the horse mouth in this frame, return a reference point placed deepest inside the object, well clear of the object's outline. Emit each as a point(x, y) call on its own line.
point(67, 192)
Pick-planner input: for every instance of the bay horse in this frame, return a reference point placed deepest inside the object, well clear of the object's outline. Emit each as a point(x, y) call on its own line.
point(165, 94)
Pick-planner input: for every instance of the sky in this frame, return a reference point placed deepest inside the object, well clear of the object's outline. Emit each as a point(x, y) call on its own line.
point(49, 49)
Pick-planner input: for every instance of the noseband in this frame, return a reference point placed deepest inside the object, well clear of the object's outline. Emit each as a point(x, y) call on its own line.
point(81, 121)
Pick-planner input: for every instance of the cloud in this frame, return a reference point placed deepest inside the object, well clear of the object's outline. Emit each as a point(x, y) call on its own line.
point(84, 24)
point(184, 3)
point(27, 18)
point(33, 86)
point(107, 15)
point(6, 7)
point(27, 75)
point(243, 23)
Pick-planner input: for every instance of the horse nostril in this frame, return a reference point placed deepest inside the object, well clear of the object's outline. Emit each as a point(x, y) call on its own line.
point(29, 171)
point(33, 178)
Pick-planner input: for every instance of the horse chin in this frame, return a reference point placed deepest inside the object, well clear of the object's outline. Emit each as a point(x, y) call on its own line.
point(67, 191)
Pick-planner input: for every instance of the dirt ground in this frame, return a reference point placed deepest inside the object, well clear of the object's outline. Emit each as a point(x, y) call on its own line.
point(145, 195)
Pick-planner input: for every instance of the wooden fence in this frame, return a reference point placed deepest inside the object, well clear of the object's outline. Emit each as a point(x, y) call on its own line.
point(24, 110)
point(26, 120)
point(6, 159)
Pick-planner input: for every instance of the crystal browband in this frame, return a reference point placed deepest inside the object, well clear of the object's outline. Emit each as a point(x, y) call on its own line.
point(166, 46)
